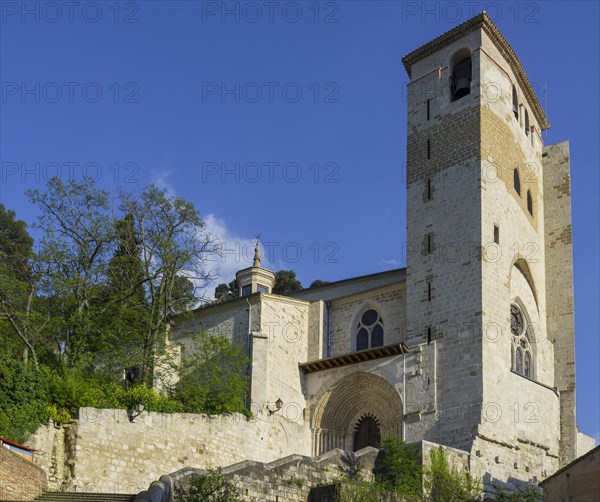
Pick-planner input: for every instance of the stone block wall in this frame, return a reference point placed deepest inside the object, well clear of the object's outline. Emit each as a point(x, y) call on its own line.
point(20, 479)
point(278, 345)
point(389, 301)
point(559, 293)
point(289, 479)
point(579, 480)
point(108, 453)
point(444, 276)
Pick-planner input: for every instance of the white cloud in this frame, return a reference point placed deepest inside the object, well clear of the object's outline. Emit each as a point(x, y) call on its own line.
point(160, 179)
point(390, 263)
point(237, 252)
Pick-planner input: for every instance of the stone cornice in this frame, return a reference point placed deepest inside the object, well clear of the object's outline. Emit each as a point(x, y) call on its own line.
point(285, 299)
point(483, 22)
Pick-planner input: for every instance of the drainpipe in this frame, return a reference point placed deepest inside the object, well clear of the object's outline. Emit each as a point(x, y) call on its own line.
point(328, 305)
point(249, 393)
point(403, 395)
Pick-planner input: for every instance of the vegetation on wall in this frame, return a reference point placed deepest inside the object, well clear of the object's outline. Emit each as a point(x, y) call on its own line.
point(211, 487)
point(94, 296)
point(443, 481)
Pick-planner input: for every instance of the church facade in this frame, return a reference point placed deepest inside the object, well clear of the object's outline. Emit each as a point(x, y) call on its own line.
point(472, 344)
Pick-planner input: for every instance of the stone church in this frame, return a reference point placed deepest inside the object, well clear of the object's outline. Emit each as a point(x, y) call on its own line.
point(472, 344)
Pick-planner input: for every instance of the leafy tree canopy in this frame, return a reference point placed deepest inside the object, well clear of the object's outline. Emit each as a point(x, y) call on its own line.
point(286, 282)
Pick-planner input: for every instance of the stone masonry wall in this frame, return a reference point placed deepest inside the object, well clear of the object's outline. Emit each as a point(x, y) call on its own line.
point(389, 301)
point(519, 431)
point(20, 479)
point(111, 454)
point(559, 293)
point(289, 479)
point(444, 283)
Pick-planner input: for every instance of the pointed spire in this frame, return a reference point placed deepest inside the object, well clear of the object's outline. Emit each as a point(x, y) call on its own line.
point(256, 262)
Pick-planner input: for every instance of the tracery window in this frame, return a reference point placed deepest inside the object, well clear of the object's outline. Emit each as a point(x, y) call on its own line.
point(369, 330)
point(522, 352)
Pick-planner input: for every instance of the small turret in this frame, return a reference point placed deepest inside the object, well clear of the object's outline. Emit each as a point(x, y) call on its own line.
point(255, 279)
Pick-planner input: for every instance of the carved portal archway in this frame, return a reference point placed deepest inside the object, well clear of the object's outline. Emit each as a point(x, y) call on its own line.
point(344, 409)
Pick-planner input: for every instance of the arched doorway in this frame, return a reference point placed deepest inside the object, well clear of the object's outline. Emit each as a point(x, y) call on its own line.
point(343, 409)
point(366, 433)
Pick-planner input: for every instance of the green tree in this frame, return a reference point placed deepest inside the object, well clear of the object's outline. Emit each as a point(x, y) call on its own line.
point(125, 308)
point(184, 296)
point(286, 282)
point(225, 292)
point(21, 323)
point(211, 487)
point(16, 245)
point(318, 282)
point(173, 243)
point(78, 240)
point(212, 376)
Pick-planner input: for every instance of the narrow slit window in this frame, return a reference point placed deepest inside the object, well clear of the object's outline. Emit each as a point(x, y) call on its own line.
point(428, 108)
point(428, 335)
point(529, 203)
point(428, 148)
point(517, 181)
point(515, 103)
point(496, 235)
point(428, 188)
point(526, 122)
point(428, 291)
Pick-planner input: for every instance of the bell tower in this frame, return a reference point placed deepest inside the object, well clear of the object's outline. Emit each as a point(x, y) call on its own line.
point(476, 266)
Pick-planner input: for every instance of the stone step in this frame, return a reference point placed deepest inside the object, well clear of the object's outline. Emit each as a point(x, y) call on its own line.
point(84, 497)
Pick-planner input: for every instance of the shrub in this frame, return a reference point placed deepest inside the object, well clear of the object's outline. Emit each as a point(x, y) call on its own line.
point(211, 487)
point(23, 399)
point(445, 483)
point(399, 469)
point(528, 493)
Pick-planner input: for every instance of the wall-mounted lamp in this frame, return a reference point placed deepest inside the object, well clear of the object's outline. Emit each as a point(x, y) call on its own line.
point(278, 406)
point(136, 412)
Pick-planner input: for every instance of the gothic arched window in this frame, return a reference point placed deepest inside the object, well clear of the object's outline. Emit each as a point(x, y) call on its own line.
point(517, 181)
point(369, 330)
point(522, 352)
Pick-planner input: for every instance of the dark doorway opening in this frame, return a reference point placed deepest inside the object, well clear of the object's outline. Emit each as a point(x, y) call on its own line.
point(366, 433)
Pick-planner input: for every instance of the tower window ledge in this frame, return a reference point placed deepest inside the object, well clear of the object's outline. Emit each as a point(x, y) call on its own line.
point(553, 389)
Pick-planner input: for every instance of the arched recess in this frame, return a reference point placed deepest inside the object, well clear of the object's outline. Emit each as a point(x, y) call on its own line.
point(461, 73)
point(522, 266)
point(342, 407)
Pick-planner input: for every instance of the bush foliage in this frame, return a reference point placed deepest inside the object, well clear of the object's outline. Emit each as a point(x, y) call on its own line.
point(211, 487)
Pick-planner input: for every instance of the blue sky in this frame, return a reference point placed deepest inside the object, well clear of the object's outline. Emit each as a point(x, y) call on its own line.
point(281, 118)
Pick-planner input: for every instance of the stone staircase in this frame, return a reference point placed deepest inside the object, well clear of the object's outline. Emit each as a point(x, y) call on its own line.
point(84, 497)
